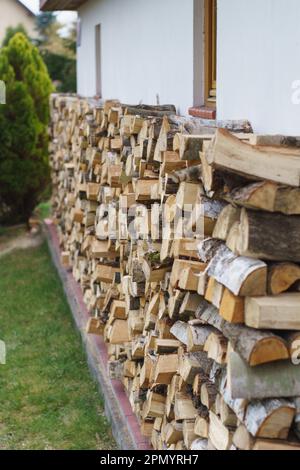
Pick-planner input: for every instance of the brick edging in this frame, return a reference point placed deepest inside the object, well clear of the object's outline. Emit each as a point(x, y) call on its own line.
point(125, 426)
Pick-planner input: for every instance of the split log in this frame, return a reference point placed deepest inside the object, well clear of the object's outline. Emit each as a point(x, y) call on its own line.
point(189, 304)
point(201, 427)
point(279, 312)
point(232, 307)
point(154, 406)
point(266, 196)
point(150, 111)
point(277, 164)
point(119, 332)
point(204, 217)
point(192, 364)
point(269, 236)
point(280, 380)
point(197, 336)
point(165, 368)
point(188, 432)
point(189, 146)
point(173, 432)
point(208, 248)
point(282, 276)
point(208, 395)
point(270, 419)
point(184, 408)
point(187, 195)
point(220, 435)
point(227, 415)
point(180, 331)
point(216, 347)
point(242, 438)
point(214, 292)
point(242, 276)
point(256, 347)
point(226, 219)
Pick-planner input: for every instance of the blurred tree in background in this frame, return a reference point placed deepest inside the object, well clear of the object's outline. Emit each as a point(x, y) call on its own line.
point(58, 52)
point(24, 168)
point(11, 31)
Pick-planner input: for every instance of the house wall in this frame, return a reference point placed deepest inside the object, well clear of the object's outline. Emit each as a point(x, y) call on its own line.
point(147, 50)
point(259, 63)
point(12, 13)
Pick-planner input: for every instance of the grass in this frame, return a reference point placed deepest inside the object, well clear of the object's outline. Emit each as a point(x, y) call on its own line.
point(48, 399)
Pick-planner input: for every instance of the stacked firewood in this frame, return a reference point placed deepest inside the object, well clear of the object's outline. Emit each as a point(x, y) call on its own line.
point(184, 237)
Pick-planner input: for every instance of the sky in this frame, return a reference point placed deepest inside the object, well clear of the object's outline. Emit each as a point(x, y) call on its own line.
point(64, 17)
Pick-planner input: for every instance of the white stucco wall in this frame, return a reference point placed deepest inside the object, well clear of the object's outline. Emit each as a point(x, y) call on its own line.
point(147, 50)
point(258, 61)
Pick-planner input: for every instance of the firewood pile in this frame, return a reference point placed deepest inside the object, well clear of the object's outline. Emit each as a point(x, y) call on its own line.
point(185, 239)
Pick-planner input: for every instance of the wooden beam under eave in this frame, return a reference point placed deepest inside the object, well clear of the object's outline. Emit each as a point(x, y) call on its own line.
point(60, 5)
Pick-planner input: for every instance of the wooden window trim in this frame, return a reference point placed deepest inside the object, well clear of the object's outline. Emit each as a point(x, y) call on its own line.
point(210, 33)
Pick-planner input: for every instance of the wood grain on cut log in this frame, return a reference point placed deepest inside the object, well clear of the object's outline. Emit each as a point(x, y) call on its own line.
point(201, 427)
point(180, 331)
point(197, 336)
point(287, 201)
point(189, 305)
point(220, 435)
point(184, 408)
point(256, 347)
point(241, 275)
point(242, 438)
point(266, 196)
point(227, 415)
point(216, 347)
point(226, 219)
point(279, 312)
point(270, 419)
point(191, 174)
point(293, 340)
point(280, 380)
point(189, 146)
point(194, 363)
point(276, 164)
point(208, 395)
point(281, 276)
point(269, 236)
point(232, 307)
point(254, 196)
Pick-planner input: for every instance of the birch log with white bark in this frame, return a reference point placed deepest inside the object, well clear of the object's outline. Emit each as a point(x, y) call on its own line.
point(241, 275)
point(270, 419)
point(255, 347)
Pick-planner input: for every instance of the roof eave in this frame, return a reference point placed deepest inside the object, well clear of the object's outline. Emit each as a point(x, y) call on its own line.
point(60, 5)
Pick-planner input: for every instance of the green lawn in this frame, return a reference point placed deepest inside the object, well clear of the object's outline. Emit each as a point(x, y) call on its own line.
point(47, 397)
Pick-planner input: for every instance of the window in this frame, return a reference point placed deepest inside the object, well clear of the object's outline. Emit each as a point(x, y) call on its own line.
point(210, 52)
point(98, 60)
